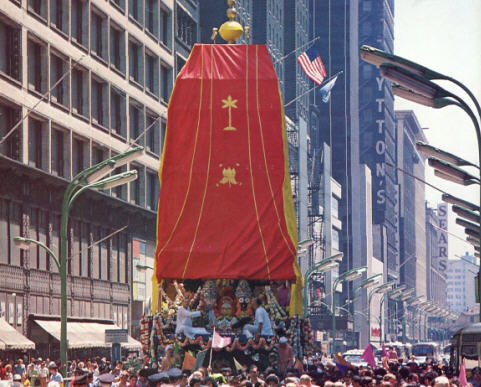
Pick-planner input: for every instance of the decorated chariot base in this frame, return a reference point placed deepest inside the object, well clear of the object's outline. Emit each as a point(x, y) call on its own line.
point(190, 311)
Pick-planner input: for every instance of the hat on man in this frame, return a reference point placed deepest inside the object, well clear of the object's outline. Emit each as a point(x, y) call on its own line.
point(283, 340)
point(17, 377)
point(52, 364)
point(106, 378)
point(174, 374)
point(476, 370)
point(158, 377)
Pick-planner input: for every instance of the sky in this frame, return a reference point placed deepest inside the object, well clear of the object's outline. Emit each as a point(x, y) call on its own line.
point(444, 35)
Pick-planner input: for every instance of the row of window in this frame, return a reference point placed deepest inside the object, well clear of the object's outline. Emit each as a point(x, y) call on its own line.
point(58, 151)
point(107, 260)
point(49, 69)
point(71, 20)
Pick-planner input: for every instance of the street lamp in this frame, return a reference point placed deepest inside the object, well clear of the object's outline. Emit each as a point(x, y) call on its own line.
point(345, 277)
point(89, 178)
point(381, 289)
point(392, 293)
point(417, 80)
point(432, 151)
point(450, 199)
point(451, 172)
point(323, 266)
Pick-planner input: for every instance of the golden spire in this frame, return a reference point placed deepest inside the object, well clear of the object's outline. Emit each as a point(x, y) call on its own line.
point(231, 30)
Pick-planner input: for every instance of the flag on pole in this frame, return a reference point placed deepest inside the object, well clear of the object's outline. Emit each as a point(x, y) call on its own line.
point(463, 381)
point(220, 342)
point(325, 90)
point(368, 355)
point(311, 64)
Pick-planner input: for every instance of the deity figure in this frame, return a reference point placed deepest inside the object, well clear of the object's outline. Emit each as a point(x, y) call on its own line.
point(208, 301)
point(243, 295)
point(226, 318)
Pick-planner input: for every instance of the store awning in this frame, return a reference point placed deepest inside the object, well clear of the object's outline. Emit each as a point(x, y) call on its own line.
point(10, 338)
point(88, 334)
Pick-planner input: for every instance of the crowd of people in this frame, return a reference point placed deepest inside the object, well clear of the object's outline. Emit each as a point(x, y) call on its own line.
point(312, 372)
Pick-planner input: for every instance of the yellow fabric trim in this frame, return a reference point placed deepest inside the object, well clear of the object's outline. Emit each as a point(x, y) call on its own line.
point(155, 284)
point(296, 304)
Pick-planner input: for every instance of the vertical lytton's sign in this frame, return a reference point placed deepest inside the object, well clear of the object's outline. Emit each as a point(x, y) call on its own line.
point(442, 237)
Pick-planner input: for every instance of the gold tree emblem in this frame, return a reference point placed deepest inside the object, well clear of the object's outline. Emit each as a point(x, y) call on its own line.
point(229, 103)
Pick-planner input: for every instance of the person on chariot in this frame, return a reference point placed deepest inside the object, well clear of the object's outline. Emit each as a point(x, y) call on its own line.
point(262, 324)
point(184, 321)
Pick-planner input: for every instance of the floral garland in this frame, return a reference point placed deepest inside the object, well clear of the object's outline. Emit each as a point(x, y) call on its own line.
point(275, 310)
point(235, 345)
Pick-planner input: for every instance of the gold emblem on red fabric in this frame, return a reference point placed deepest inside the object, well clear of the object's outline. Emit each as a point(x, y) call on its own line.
point(229, 103)
point(228, 176)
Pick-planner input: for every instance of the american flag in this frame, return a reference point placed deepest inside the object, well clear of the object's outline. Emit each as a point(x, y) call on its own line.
point(311, 64)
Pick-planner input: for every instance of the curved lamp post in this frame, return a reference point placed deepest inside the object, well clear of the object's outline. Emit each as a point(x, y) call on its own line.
point(390, 293)
point(414, 82)
point(89, 178)
point(350, 275)
point(381, 289)
point(324, 266)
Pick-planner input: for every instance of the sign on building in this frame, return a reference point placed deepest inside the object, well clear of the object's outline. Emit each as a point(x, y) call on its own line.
point(116, 335)
point(442, 255)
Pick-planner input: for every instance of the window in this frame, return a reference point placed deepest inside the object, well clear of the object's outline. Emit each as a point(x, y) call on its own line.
point(165, 82)
point(121, 190)
point(335, 207)
point(58, 68)
point(117, 115)
point(84, 250)
point(59, 152)
point(100, 107)
point(37, 143)
point(104, 257)
point(152, 17)
point(136, 119)
point(137, 187)
point(59, 15)
point(336, 237)
point(180, 63)
point(38, 7)
point(136, 64)
point(152, 73)
point(99, 154)
point(79, 155)
point(186, 28)
point(98, 35)
point(165, 27)
point(152, 190)
point(37, 64)
point(135, 10)
point(80, 91)
point(152, 133)
point(80, 32)
point(117, 48)
point(10, 51)
point(119, 3)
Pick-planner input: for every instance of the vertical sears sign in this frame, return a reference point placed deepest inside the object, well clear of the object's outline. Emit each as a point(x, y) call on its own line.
point(442, 237)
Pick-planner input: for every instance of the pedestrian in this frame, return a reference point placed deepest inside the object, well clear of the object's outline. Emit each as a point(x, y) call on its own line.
point(55, 376)
point(262, 324)
point(123, 380)
point(42, 373)
point(285, 356)
point(169, 359)
point(19, 367)
point(476, 377)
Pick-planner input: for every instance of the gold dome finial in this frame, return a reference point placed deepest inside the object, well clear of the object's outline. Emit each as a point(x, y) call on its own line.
point(231, 30)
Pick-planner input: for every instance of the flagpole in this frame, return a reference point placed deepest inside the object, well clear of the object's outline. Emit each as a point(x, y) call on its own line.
point(312, 88)
point(297, 49)
point(211, 349)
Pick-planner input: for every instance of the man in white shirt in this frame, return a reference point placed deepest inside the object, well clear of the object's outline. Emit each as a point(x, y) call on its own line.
point(184, 321)
point(262, 323)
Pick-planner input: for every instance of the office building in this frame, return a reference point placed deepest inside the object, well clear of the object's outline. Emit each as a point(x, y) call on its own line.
point(461, 277)
point(80, 81)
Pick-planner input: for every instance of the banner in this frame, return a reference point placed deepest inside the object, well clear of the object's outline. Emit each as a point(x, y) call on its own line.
point(225, 206)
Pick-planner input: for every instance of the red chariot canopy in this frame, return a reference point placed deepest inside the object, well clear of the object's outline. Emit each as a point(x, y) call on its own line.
point(225, 205)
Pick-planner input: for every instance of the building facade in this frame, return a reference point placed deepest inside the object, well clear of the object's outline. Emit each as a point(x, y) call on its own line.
point(461, 278)
point(436, 268)
point(80, 82)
